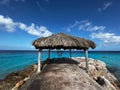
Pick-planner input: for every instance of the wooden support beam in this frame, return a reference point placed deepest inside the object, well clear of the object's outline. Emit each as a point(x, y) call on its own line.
point(39, 62)
point(86, 59)
point(70, 53)
point(49, 54)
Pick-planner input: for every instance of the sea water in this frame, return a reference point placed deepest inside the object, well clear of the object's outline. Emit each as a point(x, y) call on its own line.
point(11, 61)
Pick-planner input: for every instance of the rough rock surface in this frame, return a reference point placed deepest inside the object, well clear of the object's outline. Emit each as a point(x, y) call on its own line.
point(63, 75)
point(70, 75)
point(98, 71)
point(12, 79)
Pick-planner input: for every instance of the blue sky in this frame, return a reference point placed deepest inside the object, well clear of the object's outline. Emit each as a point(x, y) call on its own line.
point(22, 21)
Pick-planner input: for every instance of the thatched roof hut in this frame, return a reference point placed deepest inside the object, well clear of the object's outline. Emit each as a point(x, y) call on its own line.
point(63, 41)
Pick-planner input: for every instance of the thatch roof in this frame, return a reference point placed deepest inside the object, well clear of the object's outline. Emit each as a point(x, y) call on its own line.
point(65, 41)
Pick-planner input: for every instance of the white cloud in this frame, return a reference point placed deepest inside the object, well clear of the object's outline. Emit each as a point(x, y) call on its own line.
point(107, 38)
point(106, 5)
point(9, 25)
point(4, 2)
point(72, 26)
point(96, 32)
point(41, 31)
point(95, 28)
point(85, 25)
point(22, 26)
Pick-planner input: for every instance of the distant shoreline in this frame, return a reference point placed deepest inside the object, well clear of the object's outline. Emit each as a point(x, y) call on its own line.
point(62, 50)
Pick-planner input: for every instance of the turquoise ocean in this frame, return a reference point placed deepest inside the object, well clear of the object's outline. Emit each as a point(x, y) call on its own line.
point(11, 61)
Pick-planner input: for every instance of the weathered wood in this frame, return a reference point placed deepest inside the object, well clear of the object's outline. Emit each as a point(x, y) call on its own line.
point(48, 53)
point(70, 53)
point(86, 59)
point(39, 62)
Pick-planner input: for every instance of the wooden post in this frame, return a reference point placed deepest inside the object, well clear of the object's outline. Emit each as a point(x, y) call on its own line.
point(49, 54)
point(86, 59)
point(39, 62)
point(70, 53)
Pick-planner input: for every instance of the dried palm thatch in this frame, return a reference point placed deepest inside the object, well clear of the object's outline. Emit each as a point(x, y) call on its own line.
point(65, 41)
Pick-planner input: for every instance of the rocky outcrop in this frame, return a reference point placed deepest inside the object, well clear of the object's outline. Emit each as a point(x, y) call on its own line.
point(65, 74)
point(99, 73)
point(15, 79)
